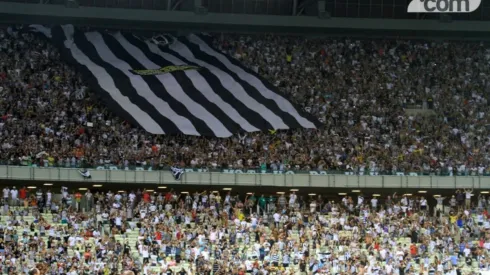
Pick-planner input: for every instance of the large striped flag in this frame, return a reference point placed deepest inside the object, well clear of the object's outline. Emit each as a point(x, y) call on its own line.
point(171, 85)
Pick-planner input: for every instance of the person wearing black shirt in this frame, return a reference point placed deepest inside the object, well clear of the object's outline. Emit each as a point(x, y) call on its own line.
point(468, 261)
point(401, 268)
point(126, 249)
point(178, 252)
point(215, 267)
point(302, 266)
point(414, 236)
point(430, 102)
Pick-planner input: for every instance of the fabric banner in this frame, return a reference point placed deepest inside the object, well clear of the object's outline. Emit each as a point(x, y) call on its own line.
point(175, 85)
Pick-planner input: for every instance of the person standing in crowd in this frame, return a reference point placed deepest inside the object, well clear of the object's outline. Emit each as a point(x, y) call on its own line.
point(22, 195)
point(439, 209)
point(88, 197)
point(468, 193)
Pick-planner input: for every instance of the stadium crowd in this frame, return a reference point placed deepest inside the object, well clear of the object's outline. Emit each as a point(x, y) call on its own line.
point(212, 233)
point(360, 89)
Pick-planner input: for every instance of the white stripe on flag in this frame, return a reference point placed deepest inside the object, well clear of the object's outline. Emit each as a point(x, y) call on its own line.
point(42, 29)
point(175, 90)
point(140, 85)
point(283, 104)
point(107, 83)
point(231, 85)
point(202, 85)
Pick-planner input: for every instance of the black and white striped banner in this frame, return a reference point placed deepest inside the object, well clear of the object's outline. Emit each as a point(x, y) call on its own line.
point(182, 86)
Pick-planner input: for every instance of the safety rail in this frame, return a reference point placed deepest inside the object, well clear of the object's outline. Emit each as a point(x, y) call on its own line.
point(230, 178)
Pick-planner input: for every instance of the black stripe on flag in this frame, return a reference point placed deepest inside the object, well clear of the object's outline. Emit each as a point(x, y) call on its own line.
point(58, 39)
point(307, 120)
point(156, 86)
point(187, 85)
point(256, 110)
point(270, 104)
point(123, 83)
point(250, 116)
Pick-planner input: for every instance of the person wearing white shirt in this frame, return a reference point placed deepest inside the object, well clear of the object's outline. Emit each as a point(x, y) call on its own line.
point(71, 241)
point(77, 254)
point(292, 199)
point(423, 204)
point(313, 206)
point(439, 205)
point(6, 194)
point(389, 268)
point(450, 170)
point(145, 254)
point(105, 216)
point(404, 200)
point(248, 266)
point(382, 253)
point(481, 170)
point(360, 200)
point(14, 193)
point(204, 199)
point(132, 197)
point(253, 221)
point(374, 203)
point(118, 197)
point(48, 197)
point(118, 222)
point(205, 254)
point(468, 195)
point(277, 219)
point(88, 201)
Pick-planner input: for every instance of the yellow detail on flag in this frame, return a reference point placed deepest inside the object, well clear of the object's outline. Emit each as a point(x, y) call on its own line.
point(272, 132)
point(164, 70)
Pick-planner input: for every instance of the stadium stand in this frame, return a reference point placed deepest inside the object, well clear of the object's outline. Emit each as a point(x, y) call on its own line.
point(212, 233)
point(361, 91)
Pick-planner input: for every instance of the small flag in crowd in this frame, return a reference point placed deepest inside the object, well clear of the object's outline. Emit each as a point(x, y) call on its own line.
point(85, 173)
point(177, 172)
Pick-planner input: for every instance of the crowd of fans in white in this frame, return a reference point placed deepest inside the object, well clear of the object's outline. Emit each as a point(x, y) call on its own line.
point(225, 233)
point(358, 88)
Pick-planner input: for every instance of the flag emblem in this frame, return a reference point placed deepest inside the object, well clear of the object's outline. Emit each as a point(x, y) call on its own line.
point(164, 70)
point(175, 85)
